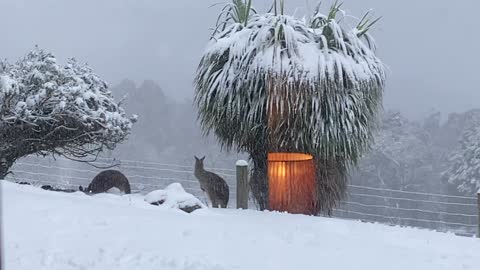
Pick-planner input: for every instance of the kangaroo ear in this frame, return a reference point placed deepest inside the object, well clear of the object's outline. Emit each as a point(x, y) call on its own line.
point(196, 157)
point(202, 158)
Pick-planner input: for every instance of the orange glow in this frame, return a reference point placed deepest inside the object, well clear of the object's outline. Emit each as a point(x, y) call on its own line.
point(291, 180)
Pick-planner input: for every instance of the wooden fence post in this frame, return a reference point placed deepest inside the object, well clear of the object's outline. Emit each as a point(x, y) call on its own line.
point(242, 184)
point(478, 201)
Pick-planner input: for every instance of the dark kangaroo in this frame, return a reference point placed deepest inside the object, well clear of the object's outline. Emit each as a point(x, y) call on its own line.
point(109, 179)
point(212, 184)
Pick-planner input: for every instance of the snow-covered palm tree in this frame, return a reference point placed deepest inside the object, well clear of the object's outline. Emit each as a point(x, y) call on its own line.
point(321, 83)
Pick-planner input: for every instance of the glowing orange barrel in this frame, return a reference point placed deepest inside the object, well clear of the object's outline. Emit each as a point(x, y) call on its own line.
point(291, 183)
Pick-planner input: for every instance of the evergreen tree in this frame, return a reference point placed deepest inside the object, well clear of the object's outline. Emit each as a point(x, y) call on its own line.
point(464, 170)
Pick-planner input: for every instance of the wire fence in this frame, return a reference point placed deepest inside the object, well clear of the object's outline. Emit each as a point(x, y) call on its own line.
point(144, 176)
point(440, 212)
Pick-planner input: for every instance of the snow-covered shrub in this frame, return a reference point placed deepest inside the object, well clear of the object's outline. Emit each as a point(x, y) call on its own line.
point(48, 108)
point(174, 196)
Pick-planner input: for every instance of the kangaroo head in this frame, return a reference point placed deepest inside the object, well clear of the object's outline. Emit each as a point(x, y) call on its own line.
point(199, 162)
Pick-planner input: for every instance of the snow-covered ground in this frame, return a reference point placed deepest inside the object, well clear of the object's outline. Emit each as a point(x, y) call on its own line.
point(50, 230)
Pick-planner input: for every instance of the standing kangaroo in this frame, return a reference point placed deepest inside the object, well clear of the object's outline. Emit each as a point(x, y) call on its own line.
point(109, 179)
point(212, 184)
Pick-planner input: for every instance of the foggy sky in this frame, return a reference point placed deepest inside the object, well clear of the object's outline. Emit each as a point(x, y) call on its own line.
point(430, 46)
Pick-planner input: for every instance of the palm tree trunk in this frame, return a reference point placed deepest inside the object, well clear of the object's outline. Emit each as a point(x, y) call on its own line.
point(259, 179)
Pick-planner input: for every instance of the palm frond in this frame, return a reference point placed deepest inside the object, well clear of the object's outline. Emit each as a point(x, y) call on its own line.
point(238, 11)
point(366, 23)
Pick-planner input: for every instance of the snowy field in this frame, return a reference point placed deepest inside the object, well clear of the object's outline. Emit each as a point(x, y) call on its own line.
point(50, 230)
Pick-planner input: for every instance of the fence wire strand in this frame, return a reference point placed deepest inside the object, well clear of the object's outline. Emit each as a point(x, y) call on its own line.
point(156, 175)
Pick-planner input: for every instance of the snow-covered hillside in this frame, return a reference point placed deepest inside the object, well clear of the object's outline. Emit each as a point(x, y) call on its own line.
point(50, 230)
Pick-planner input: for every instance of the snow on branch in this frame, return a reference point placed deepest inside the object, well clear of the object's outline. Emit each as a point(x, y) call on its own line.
point(66, 109)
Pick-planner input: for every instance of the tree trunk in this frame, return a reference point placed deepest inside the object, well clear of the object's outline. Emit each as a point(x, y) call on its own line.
point(259, 180)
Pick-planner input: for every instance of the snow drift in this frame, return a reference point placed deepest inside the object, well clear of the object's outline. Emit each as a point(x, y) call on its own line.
point(50, 230)
point(174, 196)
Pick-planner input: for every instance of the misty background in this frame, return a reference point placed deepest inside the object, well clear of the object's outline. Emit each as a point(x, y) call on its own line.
point(148, 51)
point(430, 46)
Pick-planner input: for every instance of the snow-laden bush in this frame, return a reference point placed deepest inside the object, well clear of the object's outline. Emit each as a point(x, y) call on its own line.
point(174, 196)
point(48, 108)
